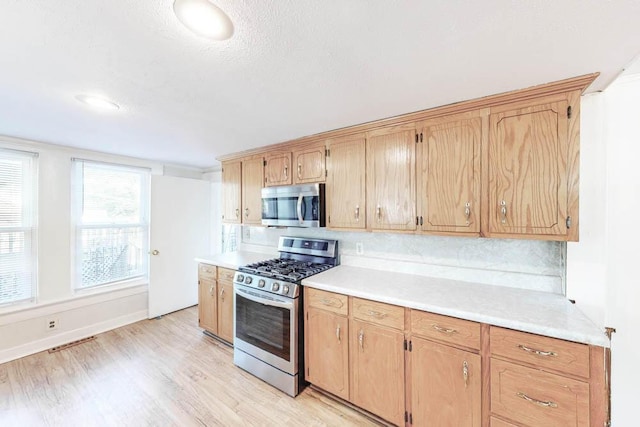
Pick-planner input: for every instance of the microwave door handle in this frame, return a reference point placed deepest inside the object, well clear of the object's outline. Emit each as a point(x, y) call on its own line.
point(278, 304)
point(300, 217)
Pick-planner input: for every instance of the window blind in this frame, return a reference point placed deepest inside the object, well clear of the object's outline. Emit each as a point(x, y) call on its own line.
point(17, 226)
point(110, 211)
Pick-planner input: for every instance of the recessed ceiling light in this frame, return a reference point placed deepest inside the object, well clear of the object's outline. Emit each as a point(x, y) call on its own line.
point(97, 102)
point(204, 18)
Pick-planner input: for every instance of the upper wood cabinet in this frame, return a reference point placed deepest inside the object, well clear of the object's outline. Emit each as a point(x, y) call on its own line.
point(449, 173)
point(231, 192)
point(345, 188)
point(391, 178)
point(252, 173)
point(527, 169)
point(309, 164)
point(277, 169)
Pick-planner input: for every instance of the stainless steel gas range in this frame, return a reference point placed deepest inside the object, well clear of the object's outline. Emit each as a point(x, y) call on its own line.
point(268, 318)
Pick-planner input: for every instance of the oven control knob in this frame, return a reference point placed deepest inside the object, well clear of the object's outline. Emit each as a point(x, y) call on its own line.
point(285, 289)
point(240, 278)
point(248, 280)
point(275, 287)
point(261, 283)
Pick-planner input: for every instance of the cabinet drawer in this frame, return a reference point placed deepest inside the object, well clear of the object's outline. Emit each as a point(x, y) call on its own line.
point(378, 313)
point(207, 271)
point(225, 274)
point(444, 328)
point(537, 398)
point(329, 301)
point(543, 352)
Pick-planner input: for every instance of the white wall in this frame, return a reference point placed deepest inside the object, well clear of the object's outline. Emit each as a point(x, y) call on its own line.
point(23, 326)
point(602, 273)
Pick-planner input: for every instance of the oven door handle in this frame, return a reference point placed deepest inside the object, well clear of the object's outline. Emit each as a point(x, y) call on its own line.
point(299, 208)
point(259, 300)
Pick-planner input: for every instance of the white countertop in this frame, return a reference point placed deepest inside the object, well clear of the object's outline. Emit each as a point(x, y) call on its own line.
point(530, 311)
point(233, 260)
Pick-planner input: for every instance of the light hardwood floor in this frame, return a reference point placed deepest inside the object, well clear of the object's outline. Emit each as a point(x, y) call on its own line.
point(154, 373)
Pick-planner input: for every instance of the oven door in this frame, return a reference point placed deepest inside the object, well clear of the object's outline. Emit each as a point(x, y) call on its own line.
point(266, 327)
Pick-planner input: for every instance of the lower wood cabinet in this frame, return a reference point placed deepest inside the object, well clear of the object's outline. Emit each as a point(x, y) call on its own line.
point(445, 385)
point(427, 369)
point(215, 300)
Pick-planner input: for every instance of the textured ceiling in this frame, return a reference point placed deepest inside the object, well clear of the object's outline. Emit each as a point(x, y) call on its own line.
point(293, 67)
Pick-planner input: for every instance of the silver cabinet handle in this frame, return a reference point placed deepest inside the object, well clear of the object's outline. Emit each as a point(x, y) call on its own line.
point(537, 352)
point(503, 211)
point(444, 330)
point(331, 302)
point(246, 212)
point(379, 213)
point(465, 373)
point(286, 171)
point(211, 290)
point(361, 339)
point(222, 294)
point(299, 171)
point(237, 213)
point(377, 314)
point(467, 211)
point(357, 214)
point(338, 333)
point(546, 404)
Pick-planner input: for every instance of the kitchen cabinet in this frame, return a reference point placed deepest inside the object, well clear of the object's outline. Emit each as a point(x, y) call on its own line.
point(252, 175)
point(309, 163)
point(346, 186)
point(527, 169)
point(391, 178)
point(231, 192)
point(215, 300)
point(207, 302)
point(445, 385)
point(377, 370)
point(277, 169)
point(449, 173)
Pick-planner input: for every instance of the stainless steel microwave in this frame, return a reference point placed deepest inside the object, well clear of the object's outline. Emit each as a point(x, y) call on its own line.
point(293, 206)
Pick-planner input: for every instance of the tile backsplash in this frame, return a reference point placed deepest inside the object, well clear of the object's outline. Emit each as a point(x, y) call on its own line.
point(529, 264)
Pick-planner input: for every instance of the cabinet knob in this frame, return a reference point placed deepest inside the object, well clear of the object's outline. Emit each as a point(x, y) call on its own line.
point(467, 211)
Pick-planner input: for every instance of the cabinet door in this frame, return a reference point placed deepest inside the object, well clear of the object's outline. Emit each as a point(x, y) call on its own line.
point(231, 179)
point(309, 164)
point(225, 311)
point(346, 183)
point(252, 173)
point(277, 170)
point(328, 351)
point(391, 178)
point(207, 309)
point(449, 196)
point(377, 370)
point(528, 149)
point(445, 385)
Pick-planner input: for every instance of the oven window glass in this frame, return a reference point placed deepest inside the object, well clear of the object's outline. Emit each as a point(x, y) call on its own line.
point(264, 326)
point(286, 208)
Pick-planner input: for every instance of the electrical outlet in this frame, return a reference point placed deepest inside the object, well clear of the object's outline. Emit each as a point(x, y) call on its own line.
point(52, 324)
point(359, 248)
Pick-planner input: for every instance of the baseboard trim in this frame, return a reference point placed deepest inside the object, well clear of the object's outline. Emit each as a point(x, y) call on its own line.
point(66, 337)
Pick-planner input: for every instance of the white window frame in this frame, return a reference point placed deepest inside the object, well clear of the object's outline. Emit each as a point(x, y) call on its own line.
point(29, 218)
point(77, 184)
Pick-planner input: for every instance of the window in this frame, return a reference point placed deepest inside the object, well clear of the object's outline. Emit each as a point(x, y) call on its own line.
point(110, 212)
point(17, 226)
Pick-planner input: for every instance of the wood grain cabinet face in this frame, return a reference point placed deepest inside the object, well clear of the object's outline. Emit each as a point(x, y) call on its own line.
point(445, 385)
point(252, 173)
point(391, 178)
point(277, 169)
point(528, 149)
point(346, 183)
point(207, 302)
point(328, 351)
point(449, 197)
point(377, 370)
point(309, 164)
point(231, 192)
point(225, 310)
